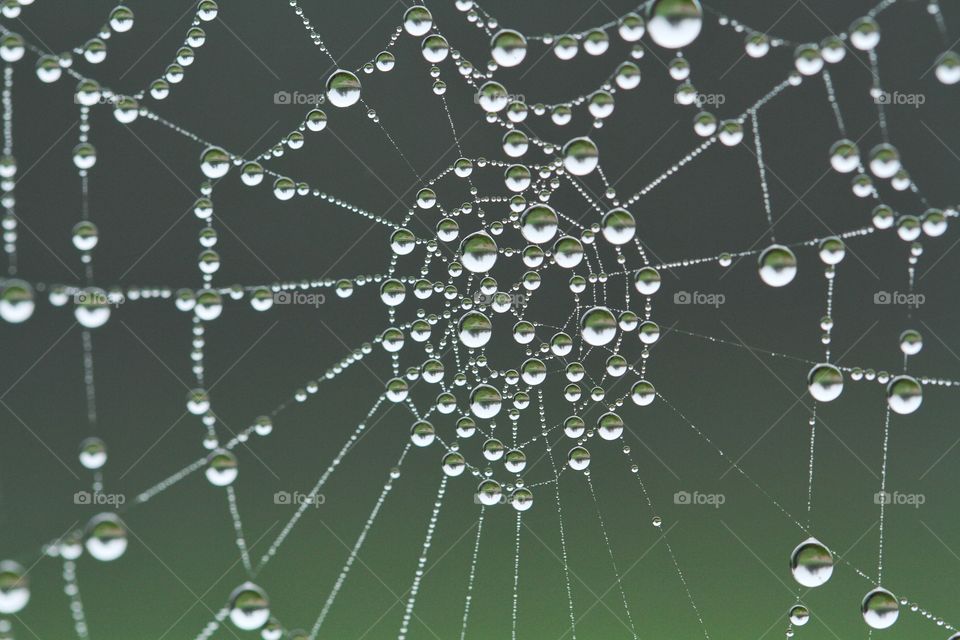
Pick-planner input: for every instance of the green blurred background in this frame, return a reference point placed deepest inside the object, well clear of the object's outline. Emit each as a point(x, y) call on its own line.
point(182, 562)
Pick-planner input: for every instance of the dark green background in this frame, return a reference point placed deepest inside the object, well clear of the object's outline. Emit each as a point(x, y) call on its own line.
point(734, 558)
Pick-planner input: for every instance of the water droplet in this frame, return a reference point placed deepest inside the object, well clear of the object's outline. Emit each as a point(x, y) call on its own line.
point(417, 20)
point(880, 609)
point(474, 329)
point(799, 615)
point(478, 252)
point(508, 47)
point(778, 265)
point(811, 563)
point(422, 434)
point(343, 88)
point(618, 226)
point(14, 587)
point(106, 537)
point(214, 162)
point(884, 161)
point(221, 468)
point(825, 382)
point(249, 607)
point(485, 401)
point(904, 394)
point(93, 453)
point(948, 68)
point(578, 458)
point(674, 24)
point(598, 326)
point(539, 223)
point(16, 301)
point(580, 156)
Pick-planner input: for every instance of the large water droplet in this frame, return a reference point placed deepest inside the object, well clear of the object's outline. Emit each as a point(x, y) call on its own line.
point(880, 609)
point(825, 382)
point(343, 88)
point(674, 24)
point(811, 563)
point(778, 265)
point(249, 607)
point(598, 326)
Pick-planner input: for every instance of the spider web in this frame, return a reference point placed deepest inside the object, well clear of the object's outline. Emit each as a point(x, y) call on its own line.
point(508, 336)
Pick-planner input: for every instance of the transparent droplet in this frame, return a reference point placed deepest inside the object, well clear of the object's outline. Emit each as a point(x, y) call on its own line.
point(539, 223)
point(474, 329)
point(618, 226)
point(948, 68)
point(811, 563)
point(884, 161)
point(508, 47)
point(93, 453)
point(478, 251)
point(825, 382)
point(485, 401)
point(880, 609)
point(16, 301)
point(417, 20)
point(214, 162)
point(106, 537)
point(911, 342)
point(845, 156)
point(221, 468)
point(778, 265)
point(799, 615)
point(904, 394)
point(14, 587)
point(343, 88)
point(598, 326)
point(580, 156)
point(674, 24)
point(578, 458)
point(249, 607)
